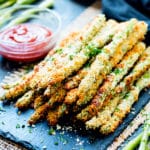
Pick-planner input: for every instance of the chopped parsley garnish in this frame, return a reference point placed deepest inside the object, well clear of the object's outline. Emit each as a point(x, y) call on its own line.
point(51, 131)
point(88, 64)
point(92, 51)
point(127, 95)
point(23, 126)
point(17, 126)
point(59, 51)
point(56, 143)
point(71, 57)
point(146, 75)
point(52, 58)
point(117, 71)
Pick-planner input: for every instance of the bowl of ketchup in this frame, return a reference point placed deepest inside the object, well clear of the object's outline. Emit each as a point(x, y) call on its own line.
point(32, 40)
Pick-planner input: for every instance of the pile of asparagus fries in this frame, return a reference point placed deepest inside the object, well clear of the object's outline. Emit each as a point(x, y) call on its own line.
point(95, 75)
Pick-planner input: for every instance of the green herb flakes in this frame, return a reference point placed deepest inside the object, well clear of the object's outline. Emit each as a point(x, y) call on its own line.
point(56, 143)
point(117, 71)
point(59, 51)
point(17, 126)
point(92, 51)
point(71, 57)
point(51, 131)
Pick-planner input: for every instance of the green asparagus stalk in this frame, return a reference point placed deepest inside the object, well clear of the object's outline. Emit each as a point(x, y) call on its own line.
point(25, 15)
point(2, 1)
point(25, 2)
point(145, 135)
point(7, 4)
point(133, 144)
point(47, 4)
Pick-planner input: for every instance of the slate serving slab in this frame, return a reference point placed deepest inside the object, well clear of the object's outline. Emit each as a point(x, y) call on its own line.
point(15, 128)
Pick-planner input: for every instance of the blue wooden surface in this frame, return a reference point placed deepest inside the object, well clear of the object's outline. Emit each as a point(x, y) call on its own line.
point(38, 137)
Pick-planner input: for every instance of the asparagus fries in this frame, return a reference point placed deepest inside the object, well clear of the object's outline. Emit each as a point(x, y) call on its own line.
point(105, 113)
point(91, 73)
point(124, 38)
point(111, 81)
point(125, 104)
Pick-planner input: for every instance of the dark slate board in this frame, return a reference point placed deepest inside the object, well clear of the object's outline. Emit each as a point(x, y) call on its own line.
point(38, 137)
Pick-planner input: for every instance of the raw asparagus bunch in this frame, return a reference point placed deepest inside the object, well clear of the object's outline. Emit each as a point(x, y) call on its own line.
point(6, 14)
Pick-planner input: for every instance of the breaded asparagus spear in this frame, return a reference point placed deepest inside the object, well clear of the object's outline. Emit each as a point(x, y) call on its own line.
point(66, 56)
point(127, 37)
point(105, 113)
point(25, 101)
point(111, 81)
point(38, 101)
point(55, 98)
point(125, 104)
point(53, 116)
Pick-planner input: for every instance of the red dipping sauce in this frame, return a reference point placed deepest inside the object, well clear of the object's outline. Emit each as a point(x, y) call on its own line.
point(26, 42)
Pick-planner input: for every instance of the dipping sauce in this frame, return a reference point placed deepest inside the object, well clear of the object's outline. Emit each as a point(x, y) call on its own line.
point(25, 42)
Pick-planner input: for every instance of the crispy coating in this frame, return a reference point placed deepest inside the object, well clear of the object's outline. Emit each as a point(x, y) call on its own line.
point(71, 97)
point(39, 114)
point(55, 68)
point(125, 104)
point(144, 63)
point(25, 101)
point(111, 81)
point(53, 116)
point(119, 93)
point(124, 40)
point(38, 101)
point(57, 97)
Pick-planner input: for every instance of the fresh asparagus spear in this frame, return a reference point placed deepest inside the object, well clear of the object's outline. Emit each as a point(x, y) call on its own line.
point(133, 144)
point(145, 134)
point(7, 4)
point(25, 15)
point(2, 1)
point(125, 104)
point(111, 81)
point(25, 2)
